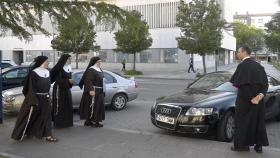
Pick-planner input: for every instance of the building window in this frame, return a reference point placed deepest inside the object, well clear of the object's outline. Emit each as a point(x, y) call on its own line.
point(170, 55)
point(121, 56)
point(260, 20)
point(145, 57)
point(252, 21)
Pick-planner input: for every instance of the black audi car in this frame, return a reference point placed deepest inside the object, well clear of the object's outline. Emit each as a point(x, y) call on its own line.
point(207, 106)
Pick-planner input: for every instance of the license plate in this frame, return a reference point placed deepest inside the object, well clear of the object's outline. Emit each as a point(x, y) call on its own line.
point(165, 119)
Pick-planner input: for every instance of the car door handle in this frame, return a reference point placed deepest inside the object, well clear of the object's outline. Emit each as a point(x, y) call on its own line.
point(114, 87)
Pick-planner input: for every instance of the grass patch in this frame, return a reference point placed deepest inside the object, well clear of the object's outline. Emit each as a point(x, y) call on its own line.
point(276, 64)
point(1, 156)
point(133, 72)
point(198, 75)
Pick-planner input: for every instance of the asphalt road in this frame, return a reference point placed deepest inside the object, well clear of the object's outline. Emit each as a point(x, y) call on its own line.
point(136, 117)
point(129, 133)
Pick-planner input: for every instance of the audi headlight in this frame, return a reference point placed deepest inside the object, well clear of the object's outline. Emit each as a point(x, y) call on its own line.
point(8, 97)
point(199, 111)
point(154, 105)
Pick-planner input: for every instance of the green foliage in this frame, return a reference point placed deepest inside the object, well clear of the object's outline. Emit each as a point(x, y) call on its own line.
point(18, 16)
point(272, 38)
point(201, 24)
point(199, 75)
point(133, 72)
point(276, 64)
point(249, 35)
point(3, 156)
point(134, 35)
point(76, 34)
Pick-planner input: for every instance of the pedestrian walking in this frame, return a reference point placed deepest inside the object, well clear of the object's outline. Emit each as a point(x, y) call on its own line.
point(62, 108)
point(92, 103)
point(123, 64)
point(191, 65)
point(251, 80)
point(34, 118)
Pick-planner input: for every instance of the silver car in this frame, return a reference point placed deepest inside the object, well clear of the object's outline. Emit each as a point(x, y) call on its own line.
point(119, 91)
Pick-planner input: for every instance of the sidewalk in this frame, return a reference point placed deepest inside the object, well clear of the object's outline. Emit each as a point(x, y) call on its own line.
point(82, 142)
point(182, 74)
point(272, 71)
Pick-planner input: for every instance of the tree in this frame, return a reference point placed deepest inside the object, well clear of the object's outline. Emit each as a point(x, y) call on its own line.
point(272, 38)
point(134, 35)
point(201, 24)
point(76, 34)
point(250, 36)
point(23, 17)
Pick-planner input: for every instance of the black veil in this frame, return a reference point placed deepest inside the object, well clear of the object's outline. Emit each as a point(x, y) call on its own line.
point(93, 60)
point(38, 61)
point(59, 66)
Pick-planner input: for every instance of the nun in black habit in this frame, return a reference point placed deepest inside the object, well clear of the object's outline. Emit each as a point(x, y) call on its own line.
point(62, 108)
point(34, 118)
point(92, 103)
point(251, 80)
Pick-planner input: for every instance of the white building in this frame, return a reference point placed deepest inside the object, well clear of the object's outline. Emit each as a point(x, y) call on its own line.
point(257, 20)
point(163, 54)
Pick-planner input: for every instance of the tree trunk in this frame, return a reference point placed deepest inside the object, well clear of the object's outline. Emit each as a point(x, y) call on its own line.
point(134, 61)
point(77, 56)
point(204, 65)
point(216, 60)
point(256, 55)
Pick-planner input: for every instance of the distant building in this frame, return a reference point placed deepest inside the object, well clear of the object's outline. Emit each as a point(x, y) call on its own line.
point(163, 54)
point(257, 20)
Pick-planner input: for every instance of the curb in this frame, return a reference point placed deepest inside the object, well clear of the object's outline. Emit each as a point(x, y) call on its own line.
point(9, 155)
point(163, 78)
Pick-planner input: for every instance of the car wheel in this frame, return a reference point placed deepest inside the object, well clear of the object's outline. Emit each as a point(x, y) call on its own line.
point(226, 127)
point(119, 102)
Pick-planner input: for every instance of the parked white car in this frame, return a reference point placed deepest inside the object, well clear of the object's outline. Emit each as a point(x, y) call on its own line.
point(119, 91)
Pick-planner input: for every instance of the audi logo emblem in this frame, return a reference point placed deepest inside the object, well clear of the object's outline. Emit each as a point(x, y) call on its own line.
point(165, 111)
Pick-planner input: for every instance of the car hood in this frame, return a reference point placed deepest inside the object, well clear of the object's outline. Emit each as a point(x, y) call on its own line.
point(194, 96)
point(13, 91)
point(16, 91)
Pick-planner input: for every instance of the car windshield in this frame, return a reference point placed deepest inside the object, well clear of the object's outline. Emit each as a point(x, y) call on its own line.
point(214, 81)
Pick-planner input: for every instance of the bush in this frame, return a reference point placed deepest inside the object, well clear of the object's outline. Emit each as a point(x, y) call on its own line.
point(133, 72)
point(198, 75)
point(276, 64)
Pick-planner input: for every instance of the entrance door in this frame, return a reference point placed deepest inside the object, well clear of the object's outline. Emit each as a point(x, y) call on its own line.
point(18, 57)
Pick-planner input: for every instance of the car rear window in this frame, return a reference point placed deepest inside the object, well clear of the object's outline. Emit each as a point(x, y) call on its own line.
point(120, 75)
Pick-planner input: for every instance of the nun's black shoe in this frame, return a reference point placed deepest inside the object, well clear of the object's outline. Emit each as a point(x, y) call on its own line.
point(240, 149)
point(258, 148)
point(98, 125)
point(88, 123)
